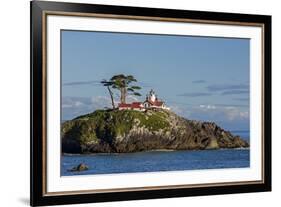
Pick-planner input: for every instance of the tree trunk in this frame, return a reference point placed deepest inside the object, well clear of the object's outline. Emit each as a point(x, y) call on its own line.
point(111, 96)
point(123, 95)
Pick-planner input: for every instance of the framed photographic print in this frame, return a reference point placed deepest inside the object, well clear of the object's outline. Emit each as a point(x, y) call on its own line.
point(139, 103)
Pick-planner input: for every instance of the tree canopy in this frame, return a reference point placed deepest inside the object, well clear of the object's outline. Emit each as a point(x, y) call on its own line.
point(124, 84)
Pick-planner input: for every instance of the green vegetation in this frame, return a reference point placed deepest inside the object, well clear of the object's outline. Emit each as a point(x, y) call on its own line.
point(80, 130)
point(123, 84)
point(106, 125)
point(125, 131)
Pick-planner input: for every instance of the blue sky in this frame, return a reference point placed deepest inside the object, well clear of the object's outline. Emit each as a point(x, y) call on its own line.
point(201, 78)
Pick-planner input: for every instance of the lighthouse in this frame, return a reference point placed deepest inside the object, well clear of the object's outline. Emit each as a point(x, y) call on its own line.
point(151, 102)
point(152, 96)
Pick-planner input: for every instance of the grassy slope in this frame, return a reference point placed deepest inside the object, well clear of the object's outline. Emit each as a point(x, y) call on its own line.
point(107, 124)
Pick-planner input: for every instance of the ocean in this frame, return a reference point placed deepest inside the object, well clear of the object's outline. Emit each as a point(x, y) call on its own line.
point(155, 161)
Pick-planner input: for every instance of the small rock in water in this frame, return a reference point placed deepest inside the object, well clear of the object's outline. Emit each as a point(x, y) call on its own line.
point(80, 167)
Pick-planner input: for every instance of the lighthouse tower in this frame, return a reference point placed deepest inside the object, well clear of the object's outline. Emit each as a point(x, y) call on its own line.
point(152, 96)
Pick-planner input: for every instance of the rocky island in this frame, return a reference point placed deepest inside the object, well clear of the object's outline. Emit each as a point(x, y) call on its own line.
point(124, 131)
point(140, 126)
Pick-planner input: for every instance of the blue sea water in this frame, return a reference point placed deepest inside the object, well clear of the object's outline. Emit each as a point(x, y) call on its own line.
point(155, 161)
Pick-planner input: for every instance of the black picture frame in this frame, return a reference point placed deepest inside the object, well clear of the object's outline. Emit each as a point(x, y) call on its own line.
point(38, 103)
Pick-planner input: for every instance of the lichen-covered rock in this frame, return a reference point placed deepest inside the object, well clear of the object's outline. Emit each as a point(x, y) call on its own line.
point(132, 131)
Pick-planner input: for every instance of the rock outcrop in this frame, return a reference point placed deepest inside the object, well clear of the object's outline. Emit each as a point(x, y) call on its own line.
point(79, 168)
point(132, 131)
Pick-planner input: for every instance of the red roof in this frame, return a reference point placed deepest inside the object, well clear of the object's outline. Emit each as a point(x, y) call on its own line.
point(139, 104)
point(124, 105)
point(136, 105)
point(132, 105)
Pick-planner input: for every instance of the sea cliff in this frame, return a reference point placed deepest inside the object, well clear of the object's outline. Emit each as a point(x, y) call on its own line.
point(114, 131)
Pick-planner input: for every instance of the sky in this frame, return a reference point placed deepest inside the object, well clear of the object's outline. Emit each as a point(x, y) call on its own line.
point(199, 78)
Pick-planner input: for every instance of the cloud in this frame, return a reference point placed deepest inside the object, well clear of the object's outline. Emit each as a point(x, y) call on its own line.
point(207, 106)
point(227, 116)
point(227, 87)
point(76, 106)
point(232, 105)
point(212, 113)
point(70, 102)
point(234, 92)
point(131, 98)
point(176, 103)
point(199, 81)
point(97, 82)
point(195, 94)
point(77, 83)
point(182, 111)
point(234, 114)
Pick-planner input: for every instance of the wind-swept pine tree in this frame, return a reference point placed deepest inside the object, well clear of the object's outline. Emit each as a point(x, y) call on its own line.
point(123, 83)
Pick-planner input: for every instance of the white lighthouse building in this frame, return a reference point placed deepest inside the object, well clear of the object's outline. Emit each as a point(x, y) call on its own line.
point(151, 102)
